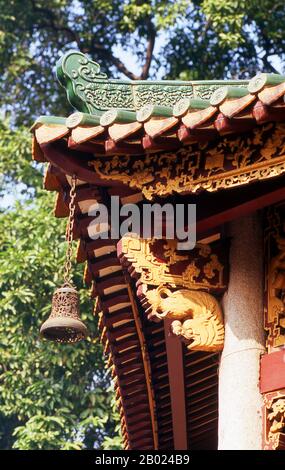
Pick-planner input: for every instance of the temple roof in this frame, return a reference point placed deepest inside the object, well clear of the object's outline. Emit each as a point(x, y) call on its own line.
point(143, 139)
point(123, 117)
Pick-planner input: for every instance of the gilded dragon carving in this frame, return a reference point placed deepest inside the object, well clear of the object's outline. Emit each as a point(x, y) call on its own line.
point(274, 420)
point(276, 290)
point(169, 284)
point(197, 316)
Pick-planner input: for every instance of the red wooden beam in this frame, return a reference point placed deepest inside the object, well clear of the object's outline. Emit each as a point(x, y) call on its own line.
point(73, 162)
point(272, 371)
point(241, 210)
point(177, 389)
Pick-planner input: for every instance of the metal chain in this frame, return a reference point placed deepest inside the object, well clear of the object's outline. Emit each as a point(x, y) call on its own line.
point(69, 235)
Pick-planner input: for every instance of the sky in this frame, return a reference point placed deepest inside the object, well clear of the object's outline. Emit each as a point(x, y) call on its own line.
point(129, 59)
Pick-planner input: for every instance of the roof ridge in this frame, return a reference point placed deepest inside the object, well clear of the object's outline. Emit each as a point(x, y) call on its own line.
point(91, 91)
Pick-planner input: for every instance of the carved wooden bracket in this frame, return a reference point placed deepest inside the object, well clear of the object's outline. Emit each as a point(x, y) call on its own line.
point(156, 262)
point(169, 284)
point(197, 316)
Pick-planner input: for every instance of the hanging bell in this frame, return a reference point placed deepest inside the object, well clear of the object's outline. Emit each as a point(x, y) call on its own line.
point(64, 324)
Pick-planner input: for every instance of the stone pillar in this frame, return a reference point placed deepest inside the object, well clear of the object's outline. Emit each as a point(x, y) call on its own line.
point(240, 402)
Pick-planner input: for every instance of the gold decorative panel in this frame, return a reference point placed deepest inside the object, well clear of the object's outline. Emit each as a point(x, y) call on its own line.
point(275, 277)
point(157, 262)
point(225, 163)
point(274, 420)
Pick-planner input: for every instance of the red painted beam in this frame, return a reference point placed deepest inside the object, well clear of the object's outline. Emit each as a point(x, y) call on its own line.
point(241, 210)
point(72, 162)
point(177, 388)
point(272, 371)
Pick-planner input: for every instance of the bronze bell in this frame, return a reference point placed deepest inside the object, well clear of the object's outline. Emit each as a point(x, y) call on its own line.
point(64, 324)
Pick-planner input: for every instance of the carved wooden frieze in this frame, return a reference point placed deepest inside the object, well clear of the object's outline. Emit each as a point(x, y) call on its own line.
point(274, 420)
point(275, 277)
point(229, 162)
point(169, 284)
point(156, 262)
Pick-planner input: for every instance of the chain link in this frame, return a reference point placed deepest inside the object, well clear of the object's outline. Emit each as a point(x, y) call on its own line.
point(69, 235)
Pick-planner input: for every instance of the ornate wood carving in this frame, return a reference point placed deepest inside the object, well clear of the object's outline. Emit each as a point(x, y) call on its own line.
point(197, 316)
point(275, 277)
point(274, 420)
point(157, 262)
point(168, 284)
point(272, 373)
point(233, 161)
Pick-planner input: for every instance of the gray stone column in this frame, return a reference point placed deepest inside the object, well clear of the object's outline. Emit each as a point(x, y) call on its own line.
point(240, 403)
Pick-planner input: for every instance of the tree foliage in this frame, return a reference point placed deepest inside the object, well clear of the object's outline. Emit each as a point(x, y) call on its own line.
point(55, 396)
point(52, 396)
point(228, 39)
point(199, 39)
point(35, 31)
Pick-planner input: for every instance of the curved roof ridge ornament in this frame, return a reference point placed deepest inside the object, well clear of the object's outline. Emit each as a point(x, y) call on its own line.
point(77, 73)
point(91, 91)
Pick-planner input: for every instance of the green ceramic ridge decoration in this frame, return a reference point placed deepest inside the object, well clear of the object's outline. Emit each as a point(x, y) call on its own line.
point(90, 91)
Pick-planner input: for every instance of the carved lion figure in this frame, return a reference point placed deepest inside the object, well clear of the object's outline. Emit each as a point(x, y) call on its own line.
point(197, 316)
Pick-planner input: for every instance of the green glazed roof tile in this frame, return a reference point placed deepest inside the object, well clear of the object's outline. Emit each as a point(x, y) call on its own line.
point(90, 91)
point(259, 81)
point(183, 105)
point(150, 110)
point(227, 92)
point(82, 119)
point(117, 115)
point(52, 120)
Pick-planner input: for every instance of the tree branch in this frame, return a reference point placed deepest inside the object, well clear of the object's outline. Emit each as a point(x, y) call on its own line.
point(149, 51)
point(107, 54)
point(269, 65)
point(51, 16)
point(50, 20)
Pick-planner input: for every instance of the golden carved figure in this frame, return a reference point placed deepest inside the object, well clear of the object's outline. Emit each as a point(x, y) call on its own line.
point(197, 316)
point(274, 418)
point(276, 421)
point(277, 416)
point(276, 292)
